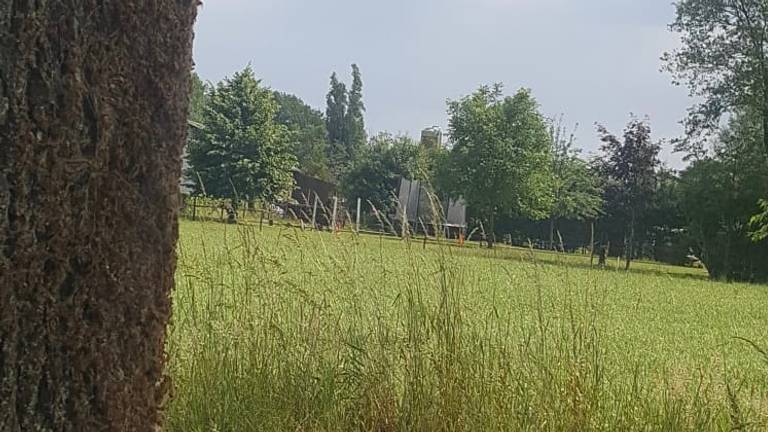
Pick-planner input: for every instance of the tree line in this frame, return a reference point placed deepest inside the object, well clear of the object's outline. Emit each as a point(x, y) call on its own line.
point(519, 172)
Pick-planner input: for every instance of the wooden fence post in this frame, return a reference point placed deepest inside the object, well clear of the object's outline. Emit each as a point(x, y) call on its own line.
point(403, 229)
point(592, 245)
point(314, 214)
point(335, 209)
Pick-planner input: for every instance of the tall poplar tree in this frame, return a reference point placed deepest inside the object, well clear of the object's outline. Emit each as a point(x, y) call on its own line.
point(354, 128)
point(344, 118)
point(335, 120)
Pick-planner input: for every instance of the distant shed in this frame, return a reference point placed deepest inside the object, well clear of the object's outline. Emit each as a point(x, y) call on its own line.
point(306, 190)
point(307, 187)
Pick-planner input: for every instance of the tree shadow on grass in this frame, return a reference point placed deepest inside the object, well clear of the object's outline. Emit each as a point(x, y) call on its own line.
point(577, 261)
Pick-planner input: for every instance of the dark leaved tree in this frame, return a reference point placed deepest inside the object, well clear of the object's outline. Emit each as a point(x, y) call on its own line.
point(630, 166)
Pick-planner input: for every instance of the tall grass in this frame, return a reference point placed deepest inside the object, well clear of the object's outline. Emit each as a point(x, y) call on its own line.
point(303, 331)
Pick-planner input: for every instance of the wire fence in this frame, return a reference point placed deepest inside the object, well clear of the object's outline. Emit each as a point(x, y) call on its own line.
point(363, 217)
point(333, 215)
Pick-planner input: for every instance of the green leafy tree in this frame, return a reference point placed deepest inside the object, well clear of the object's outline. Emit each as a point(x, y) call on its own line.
point(197, 97)
point(723, 60)
point(576, 187)
point(500, 162)
point(759, 223)
point(720, 194)
point(427, 165)
point(430, 160)
point(241, 152)
point(374, 177)
point(197, 101)
point(666, 238)
point(630, 166)
point(306, 134)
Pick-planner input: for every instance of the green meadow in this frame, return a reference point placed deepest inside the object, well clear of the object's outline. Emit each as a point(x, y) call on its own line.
point(279, 329)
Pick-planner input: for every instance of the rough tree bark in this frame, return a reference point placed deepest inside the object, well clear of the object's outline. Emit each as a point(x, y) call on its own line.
point(93, 105)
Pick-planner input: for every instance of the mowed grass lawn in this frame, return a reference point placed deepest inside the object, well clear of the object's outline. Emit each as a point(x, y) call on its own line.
point(288, 330)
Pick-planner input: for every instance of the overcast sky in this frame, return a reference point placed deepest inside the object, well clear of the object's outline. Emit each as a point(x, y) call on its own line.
point(590, 60)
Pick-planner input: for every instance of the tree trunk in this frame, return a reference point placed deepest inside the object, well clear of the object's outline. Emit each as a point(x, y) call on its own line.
point(491, 238)
point(592, 243)
point(765, 128)
point(765, 107)
point(631, 242)
point(551, 233)
point(727, 271)
point(93, 106)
